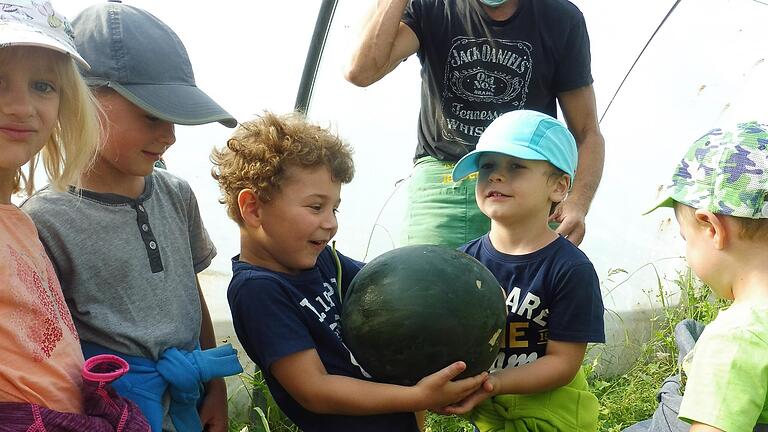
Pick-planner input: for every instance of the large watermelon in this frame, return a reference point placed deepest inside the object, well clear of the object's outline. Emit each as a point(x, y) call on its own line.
point(414, 310)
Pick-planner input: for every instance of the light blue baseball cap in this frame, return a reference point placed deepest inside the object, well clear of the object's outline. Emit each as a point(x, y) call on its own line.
point(527, 135)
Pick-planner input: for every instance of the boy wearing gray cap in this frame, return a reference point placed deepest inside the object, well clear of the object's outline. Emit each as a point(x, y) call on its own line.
point(525, 162)
point(128, 245)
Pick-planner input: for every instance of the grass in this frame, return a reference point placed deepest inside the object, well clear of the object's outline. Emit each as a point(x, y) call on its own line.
point(265, 415)
point(624, 400)
point(631, 397)
point(438, 423)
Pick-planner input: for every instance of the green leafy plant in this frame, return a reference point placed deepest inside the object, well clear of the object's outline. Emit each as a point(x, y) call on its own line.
point(438, 423)
point(265, 415)
point(631, 397)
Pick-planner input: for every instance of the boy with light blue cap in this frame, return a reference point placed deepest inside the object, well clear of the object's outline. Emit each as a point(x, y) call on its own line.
point(527, 135)
point(525, 162)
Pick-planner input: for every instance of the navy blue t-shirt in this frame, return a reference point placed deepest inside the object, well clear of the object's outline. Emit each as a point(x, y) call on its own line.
point(474, 68)
point(277, 314)
point(553, 293)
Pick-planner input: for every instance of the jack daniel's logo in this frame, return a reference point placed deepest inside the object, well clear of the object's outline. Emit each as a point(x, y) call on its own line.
point(483, 79)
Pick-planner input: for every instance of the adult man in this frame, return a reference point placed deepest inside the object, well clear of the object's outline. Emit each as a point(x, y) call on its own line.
point(481, 58)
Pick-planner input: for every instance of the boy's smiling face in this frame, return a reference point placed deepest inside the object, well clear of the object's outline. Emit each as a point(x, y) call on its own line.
point(510, 189)
point(297, 223)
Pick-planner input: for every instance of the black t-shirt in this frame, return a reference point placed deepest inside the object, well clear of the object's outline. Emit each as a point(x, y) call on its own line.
point(474, 69)
point(277, 314)
point(553, 293)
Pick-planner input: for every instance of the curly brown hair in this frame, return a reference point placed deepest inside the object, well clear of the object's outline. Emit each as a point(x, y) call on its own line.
point(258, 153)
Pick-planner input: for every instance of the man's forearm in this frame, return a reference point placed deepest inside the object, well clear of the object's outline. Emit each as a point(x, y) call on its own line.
point(580, 111)
point(371, 60)
point(589, 170)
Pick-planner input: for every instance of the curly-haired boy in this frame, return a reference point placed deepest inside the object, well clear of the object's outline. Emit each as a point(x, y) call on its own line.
point(281, 180)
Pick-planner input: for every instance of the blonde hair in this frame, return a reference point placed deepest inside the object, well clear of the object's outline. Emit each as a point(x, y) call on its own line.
point(259, 151)
point(72, 146)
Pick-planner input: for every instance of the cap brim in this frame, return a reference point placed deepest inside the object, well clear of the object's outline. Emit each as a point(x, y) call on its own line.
point(179, 104)
point(469, 163)
point(664, 201)
point(21, 35)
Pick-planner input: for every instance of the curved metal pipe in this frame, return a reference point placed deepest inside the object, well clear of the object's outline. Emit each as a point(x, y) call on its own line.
point(314, 54)
point(618, 89)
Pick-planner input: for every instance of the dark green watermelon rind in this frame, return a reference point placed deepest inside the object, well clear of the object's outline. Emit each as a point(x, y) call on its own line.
point(374, 299)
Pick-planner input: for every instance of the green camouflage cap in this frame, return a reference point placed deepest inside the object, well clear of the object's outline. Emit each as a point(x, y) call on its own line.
point(725, 172)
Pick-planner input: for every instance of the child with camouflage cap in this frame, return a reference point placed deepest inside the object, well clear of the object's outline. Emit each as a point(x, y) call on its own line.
point(719, 192)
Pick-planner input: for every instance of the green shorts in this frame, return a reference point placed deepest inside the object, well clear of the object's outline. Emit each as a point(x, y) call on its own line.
point(441, 211)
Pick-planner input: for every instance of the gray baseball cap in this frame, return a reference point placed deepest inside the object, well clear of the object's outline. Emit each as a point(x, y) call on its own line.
point(140, 57)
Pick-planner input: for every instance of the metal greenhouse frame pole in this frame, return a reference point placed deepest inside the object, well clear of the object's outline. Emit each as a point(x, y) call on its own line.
point(314, 54)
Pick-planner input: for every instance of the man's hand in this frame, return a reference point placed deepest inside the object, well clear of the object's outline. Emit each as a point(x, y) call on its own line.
point(213, 411)
point(571, 216)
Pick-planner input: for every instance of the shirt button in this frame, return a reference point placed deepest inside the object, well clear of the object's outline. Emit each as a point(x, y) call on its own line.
point(144, 227)
point(141, 208)
point(152, 245)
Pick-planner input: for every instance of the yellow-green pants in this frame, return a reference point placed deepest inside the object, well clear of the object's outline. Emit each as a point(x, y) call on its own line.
point(571, 408)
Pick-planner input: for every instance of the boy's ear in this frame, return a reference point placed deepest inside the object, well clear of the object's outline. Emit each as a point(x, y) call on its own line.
point(560, 189)
point(250, 207)
point(714, 226)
